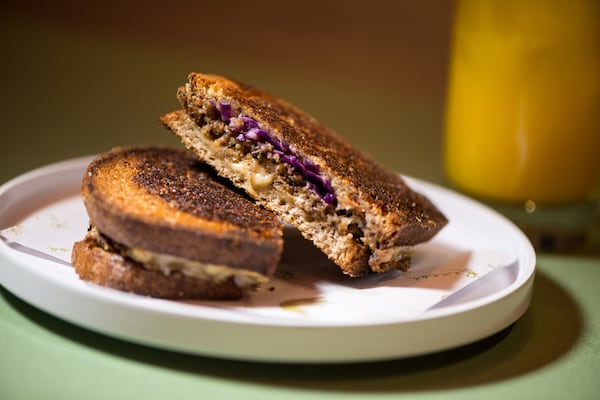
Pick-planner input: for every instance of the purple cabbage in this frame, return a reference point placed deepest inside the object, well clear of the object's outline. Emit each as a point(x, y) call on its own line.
point(220, 111)
point(250, 130)
point(224, 111)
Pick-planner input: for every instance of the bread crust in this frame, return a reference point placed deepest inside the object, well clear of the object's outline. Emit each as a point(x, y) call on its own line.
point(106, 268)
point(387, 214)
point(164, 201)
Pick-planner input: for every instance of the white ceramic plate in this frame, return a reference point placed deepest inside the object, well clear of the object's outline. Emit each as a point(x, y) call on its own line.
point(308, 313)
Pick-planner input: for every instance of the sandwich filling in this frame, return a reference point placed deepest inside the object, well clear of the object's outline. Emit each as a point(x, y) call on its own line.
point(247, 129)
point(167, 264)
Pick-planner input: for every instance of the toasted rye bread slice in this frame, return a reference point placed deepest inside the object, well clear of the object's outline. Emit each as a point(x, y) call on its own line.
point(362, 216)
point(95, 264)
point(166, 210)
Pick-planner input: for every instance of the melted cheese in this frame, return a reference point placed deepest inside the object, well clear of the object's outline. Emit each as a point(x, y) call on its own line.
point(167, 264)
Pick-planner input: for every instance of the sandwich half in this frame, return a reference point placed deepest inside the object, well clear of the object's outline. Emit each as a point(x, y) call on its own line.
point(163, 225)
point(362, 216)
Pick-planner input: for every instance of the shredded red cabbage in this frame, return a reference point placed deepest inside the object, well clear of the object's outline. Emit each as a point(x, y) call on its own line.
point(224, 111)
point(250, 130)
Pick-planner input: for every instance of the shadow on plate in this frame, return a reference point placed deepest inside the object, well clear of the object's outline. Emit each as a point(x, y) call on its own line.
point(533, 342)
point(303, 269)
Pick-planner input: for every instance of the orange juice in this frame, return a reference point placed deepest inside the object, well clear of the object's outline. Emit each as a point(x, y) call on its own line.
point(523, 112)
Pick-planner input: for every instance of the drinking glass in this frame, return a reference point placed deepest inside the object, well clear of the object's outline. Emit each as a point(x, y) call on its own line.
point(523, 113)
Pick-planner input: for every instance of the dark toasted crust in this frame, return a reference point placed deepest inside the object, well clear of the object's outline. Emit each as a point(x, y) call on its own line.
point(381, 187)
point(164, 201)
point(94, 264)
point(380, 213)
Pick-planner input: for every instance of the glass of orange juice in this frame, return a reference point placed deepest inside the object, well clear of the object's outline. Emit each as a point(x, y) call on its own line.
point(523, 112)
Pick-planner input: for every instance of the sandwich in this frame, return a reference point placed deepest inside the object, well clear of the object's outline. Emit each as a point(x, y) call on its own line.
point(163, 225)
point(364, 217)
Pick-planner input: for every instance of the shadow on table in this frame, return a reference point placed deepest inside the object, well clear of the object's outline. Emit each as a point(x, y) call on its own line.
point(547, 331)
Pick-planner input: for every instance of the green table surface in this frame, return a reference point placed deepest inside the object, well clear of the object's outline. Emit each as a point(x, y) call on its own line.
point(552, 352)
point(71, 88)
